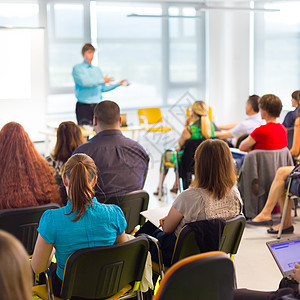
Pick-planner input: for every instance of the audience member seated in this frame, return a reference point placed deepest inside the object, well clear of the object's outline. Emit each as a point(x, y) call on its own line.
point(271, 136)
point(26, 178)
point(15, 271)
point(82, 223)
point(69, 137)
point(122, 162)
point(212, 195)
point(288, 292)
point(277, 191)
point(235, 130)
point(197, 126)
point(291, 116)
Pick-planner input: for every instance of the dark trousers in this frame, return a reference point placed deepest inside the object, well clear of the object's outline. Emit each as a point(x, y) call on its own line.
point(245, 294)
point(166, 242)
point(85, 113)
point(56, 281)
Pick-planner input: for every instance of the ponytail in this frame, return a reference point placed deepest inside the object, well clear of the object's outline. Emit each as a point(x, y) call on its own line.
point(200, 109)
point(205, 127)
point(80, 169)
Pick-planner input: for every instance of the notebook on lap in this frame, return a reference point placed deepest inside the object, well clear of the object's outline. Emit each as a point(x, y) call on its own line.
point(286, 252)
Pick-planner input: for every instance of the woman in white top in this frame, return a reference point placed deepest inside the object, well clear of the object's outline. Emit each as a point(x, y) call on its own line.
point(212, 195)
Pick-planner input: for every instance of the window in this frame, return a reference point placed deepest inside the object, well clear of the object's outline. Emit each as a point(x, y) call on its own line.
point(18, 15)
point(277, 48)
point(131, 48)
point(15, 14)
point(186, 64)
point(66, 35)
point(162, 58)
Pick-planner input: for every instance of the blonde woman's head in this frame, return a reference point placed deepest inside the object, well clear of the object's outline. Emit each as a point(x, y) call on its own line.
point(199, 108)
point(15, 270)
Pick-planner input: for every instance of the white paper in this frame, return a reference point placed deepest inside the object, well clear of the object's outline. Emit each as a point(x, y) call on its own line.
point(154, 215)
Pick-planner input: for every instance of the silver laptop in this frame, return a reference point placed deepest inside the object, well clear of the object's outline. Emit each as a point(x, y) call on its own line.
point(286, 252)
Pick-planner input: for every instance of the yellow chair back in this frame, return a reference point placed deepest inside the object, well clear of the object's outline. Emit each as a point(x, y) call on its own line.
point(152, 115)
point(210, 114)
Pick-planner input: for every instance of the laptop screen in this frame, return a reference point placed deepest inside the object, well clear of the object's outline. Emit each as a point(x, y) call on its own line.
point(286, 253)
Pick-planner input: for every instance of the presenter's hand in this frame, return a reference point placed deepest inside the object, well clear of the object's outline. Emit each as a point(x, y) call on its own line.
point(296, 272)
point(124, 82)
point(108, 79)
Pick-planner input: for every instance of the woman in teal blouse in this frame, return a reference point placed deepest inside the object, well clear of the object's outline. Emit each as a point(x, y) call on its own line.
point(82, 223)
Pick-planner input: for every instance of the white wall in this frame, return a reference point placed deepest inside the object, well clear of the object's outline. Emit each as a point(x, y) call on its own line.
point(228, 73)
point(30, 112)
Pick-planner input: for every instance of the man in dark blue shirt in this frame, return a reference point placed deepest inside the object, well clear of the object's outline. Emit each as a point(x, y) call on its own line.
point(122, 163)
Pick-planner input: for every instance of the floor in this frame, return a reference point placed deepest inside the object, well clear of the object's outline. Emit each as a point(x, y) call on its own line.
point(255, 267)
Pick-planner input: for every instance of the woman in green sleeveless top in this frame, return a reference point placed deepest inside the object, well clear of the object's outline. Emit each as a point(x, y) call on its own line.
point(197, 126)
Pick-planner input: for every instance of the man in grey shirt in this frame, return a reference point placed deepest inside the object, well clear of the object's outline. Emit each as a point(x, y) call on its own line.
point(122, 163)
point(252, 121)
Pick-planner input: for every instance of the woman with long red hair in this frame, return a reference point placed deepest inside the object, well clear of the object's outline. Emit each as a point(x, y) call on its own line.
point(26, 179)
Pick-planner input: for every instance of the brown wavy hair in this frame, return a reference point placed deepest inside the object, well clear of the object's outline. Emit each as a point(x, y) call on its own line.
point(214, 170)
point(15, 271)
point(69, 137)
point(26, 178)
point(80, 170)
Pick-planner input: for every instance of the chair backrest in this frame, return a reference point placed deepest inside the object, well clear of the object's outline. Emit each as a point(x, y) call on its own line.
point(256, 176)
point(198, 237)
point(152, 115)
point(240, 139)
point(186, 165)
point(131, 204)
point(232, 234)
point(23, 223)
point(210, 114)
point(101, 272)
point(204, 276)
point(186, 244)
point(290, 137)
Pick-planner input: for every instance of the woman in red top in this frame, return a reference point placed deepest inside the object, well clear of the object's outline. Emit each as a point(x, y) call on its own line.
point(271, 136)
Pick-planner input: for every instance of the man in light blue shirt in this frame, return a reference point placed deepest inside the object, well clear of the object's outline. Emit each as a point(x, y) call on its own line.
point(89, 86)
point(253, 120)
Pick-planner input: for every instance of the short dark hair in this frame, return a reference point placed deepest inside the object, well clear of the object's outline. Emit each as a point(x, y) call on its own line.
point(271, 104)
point(87, 47)
point(296, 96)
point(253, 100)
point(107, 113)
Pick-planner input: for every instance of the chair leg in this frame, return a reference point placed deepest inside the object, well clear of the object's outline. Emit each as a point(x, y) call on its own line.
point(179, 181)
point(295, 204)
point(234, 281)
point(284, 209)
point(139, 295)
point(161, 176)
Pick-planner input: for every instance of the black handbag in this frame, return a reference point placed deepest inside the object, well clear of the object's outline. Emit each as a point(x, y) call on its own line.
point(295, 181)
